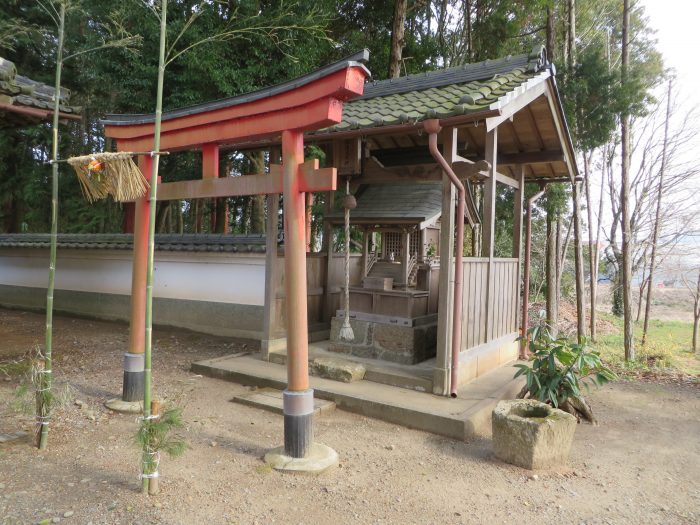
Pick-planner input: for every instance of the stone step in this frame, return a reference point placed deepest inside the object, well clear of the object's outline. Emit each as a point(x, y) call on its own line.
point(402, 376)
point(270, 399)
point(460, 418)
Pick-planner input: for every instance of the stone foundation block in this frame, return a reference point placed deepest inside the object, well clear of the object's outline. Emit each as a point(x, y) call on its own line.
point(531, 434)
point(362, 331)
point(337, 369)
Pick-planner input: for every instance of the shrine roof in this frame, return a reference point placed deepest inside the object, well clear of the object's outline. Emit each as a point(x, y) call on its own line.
point(395, 204)
point(449, 92)
point(124, 241)
point(25, 101)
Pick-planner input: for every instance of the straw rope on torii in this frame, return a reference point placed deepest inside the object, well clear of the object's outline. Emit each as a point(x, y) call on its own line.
point(115, 174)
point(349, 203)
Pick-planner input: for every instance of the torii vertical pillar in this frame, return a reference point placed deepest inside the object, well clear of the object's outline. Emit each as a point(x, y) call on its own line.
point(298, 398)
point(132, 387)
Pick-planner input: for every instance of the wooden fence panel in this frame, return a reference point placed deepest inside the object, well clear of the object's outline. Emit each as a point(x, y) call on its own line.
point(501, 290)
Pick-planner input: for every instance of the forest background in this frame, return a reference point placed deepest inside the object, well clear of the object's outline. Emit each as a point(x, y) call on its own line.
point(583, 38)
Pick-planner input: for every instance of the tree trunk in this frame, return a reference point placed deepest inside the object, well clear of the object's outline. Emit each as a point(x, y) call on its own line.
point(625, 198)
point(397, 38)
point(696, 316)
point(571, 33)
point(257, 204)
point(549, 45)
point(468, 19)
point(657, 220)
point(578, 257)
point(592, 244)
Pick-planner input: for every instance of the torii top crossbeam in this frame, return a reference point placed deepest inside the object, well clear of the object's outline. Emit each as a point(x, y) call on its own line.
point(311, 102)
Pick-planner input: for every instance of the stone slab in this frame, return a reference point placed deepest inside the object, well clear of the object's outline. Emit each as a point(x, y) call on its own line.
point(125, 407)
point(337, 369)
point(270, 399)
point(319, 459)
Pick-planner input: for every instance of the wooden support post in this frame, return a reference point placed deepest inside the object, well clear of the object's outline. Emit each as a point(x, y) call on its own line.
point(443, 366)
point(489, 226)
point(269, 343)
point(328, 310)
point(309, 219)
point(210, 170)
point(518, 233)
point(365, 251)
point(406, 256)
point(298, 397)
point(132, 388)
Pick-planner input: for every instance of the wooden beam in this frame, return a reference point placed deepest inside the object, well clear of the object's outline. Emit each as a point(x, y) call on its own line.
point(312, 179)
point(488, 225)
point(347, 156)
point(518, 213)
point(562, 134)
point(531, 157)
point(508, 181)
point(374, 173)
point(210, 161)
point(317, 114)
point(530, 94)
point(340, 85)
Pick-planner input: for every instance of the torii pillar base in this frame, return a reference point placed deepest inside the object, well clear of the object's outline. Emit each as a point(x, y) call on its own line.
point(318, 459)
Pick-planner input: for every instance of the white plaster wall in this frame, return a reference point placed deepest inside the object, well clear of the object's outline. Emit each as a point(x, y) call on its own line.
point(226, 278)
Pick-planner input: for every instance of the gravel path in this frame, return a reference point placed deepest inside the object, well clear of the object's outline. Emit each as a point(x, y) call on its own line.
point(639, 466)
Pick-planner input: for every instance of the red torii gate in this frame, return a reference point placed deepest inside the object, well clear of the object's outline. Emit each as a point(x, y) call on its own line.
point(311, 102)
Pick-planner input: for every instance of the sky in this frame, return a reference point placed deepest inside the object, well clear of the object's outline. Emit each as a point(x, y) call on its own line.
point(676, 23)
point(678, 39)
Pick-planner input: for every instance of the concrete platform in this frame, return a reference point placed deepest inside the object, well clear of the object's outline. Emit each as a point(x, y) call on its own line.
point(461, 418)
point(270, 399)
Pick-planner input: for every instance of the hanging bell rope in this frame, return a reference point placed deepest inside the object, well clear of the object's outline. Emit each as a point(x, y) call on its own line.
point(349, 203)
point(115, 174)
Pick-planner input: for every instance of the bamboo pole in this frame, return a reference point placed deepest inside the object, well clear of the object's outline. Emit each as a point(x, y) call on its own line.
point(47, 374)
point(151, 229)
point(153, 487)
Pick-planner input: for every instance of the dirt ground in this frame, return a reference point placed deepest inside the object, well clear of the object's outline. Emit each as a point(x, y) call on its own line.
point(639, 466)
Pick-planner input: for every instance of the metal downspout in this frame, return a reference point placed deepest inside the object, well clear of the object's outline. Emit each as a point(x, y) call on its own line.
point(526, 273)
point(432, 127)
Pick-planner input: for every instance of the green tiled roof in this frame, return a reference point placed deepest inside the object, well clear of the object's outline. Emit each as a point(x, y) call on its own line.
point(22, 92)
point(124, 241)
point(395, 203)
point(439, 94)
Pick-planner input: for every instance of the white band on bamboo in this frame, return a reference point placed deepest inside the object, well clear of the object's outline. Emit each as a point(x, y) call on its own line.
point(147, 418)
